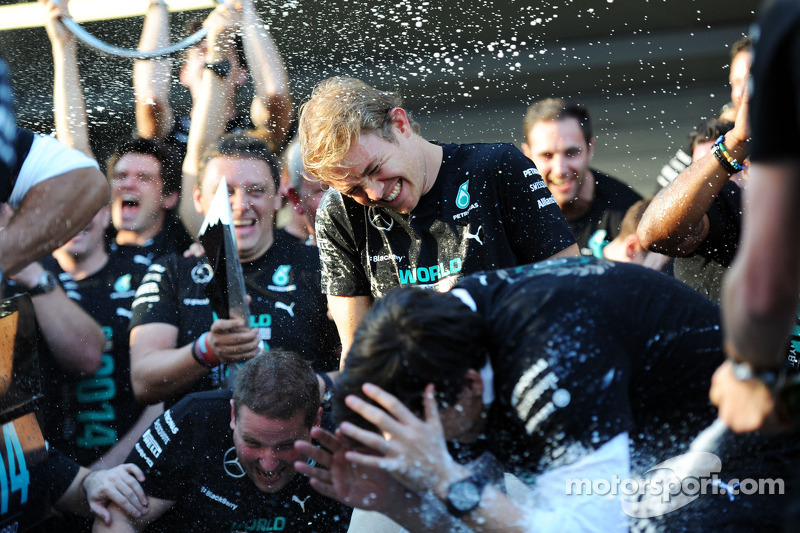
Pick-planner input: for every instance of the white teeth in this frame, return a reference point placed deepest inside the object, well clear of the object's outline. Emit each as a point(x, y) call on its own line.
point(395, 192)
point(241, 223)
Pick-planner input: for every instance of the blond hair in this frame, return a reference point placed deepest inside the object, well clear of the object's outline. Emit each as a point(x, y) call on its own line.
point(331, 122)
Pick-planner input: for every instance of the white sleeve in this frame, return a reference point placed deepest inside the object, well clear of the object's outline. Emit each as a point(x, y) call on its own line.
point(556, 503)
point(47, 158)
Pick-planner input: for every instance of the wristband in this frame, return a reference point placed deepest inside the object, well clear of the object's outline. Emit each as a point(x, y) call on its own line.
point(203, 354)
point(722, 155)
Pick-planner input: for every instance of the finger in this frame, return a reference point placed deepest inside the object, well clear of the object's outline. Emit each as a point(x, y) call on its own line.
point(389, 402)
point(313, 472)
point(317, 455)
point(429, 403)
point(326, 489)
point(125, 503)
point(127, 488)
point(100, 511)
point(372, 461)
point(132, 489)
point(326, 438)
point(134, 470)
point(385, 422)
point(370, 439)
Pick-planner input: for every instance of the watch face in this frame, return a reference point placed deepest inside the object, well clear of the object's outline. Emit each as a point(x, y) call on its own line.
point(48, 281)
point(465, 495)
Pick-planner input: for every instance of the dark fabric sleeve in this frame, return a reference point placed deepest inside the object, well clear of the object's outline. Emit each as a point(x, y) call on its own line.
point(155, 299)
point(725, 224)
point(343, 273)
point(536, 228)
point(775, 100)
point(164, 451)
point(62, 471)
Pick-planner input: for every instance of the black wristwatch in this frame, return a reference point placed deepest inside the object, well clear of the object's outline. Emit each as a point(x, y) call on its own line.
point(221, 69)
point(465, 495)
point(47, 283)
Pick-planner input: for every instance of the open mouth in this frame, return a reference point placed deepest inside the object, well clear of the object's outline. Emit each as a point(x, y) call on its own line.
point(395, 192)
point(268, 477)
point(244, 223)
point(130, 202)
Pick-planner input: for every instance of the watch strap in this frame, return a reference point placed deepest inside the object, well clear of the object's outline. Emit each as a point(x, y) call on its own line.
point(221, 69)
point(47, 283)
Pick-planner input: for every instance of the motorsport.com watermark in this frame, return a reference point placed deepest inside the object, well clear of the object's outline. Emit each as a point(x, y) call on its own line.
point(672, 484)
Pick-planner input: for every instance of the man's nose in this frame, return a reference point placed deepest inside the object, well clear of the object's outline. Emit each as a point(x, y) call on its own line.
point(239, 201)
point(269, 460)
point(374, 190)
point(561, 165)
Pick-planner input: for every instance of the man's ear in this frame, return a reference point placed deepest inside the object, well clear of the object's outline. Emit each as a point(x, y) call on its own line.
point(400, 121)
point(169, 201)
point(196, 194)
point(473, 382)
point(527, 151)
point(591, 149)
point(233, 416)
point(318, 421)
point(632, 246)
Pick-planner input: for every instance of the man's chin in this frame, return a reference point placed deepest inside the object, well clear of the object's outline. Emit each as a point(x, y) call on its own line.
point(271, 487)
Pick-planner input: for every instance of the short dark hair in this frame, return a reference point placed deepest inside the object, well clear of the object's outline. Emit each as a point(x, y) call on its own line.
point(708, 130)
point(557, 109)
point(630, 222)
point(239, 145)
point(166, 156)
point(412, 337)
point(278, 385)
point(745, 44)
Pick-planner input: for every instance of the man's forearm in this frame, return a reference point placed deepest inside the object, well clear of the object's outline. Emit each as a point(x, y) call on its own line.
point(50, 214)
point(162, 374)
point(673, 222)
point(152, 78)
point(69, 104)
point(270, 78)
point(75, 339)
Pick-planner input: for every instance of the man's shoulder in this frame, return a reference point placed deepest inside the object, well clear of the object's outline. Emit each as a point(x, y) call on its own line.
point(301, 254)
point(178, 264)
point(478, 151)
point(615, 187)
point(206, 405)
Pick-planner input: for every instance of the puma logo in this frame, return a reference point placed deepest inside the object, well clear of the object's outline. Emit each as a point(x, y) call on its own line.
point(301, 503)
point(475, 236)
point(288, 308)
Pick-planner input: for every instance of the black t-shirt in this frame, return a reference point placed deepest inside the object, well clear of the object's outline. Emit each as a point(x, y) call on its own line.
point(600, 225)
point(775, 99)
point(488, 208)
point(188, 456)
point(616, 339)
point(287, 304)
point(92, 413)
point(173, 238)
point(584, 349)
point(704, 269)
